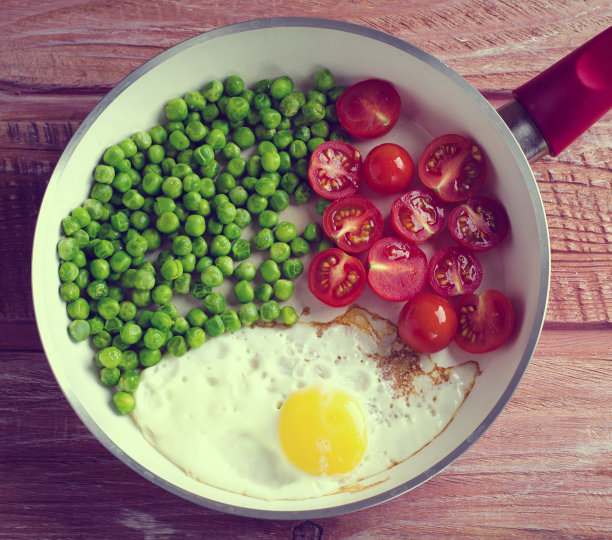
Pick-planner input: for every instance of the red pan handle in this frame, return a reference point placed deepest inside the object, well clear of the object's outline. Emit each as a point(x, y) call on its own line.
point(571, 95)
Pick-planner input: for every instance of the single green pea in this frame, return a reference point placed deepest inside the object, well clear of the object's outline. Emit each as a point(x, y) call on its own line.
point(281, 87)
point(289, 181)
point(236, 166)
point(214, 303)
point(225, 264)
point(189, 262)
point(324, 244)
point(78, 309)
point(279, 200)
point(161, 321)
point(97, 289)
point(216, 139)
point(108, 308)
point(129, 380)
point(289, 105)
point(248, 314)
point(168, 223)
point(243, 290)
point(70, 225)
point(263, 292)
point(225, 183)
point(69, 291)
point(316, 95)
point(177, 346)
point(196, 131)
point(109, 357)
point(67, 248)
point(196, 317)
point(79, 330)
point(199, 289)
point(214, 326)
point(288, 315)
point(179, 140)
point(161, 294)
point(299, 247)
point(116, 292)
point(195, 337)
point(203, 263)
point(226, 212)
point(279, 252)
point(148, 357)
point(265, 186)
point(231, 321)
point(99, 269)
point(285, 231)
point(171, 269)
point(302, 193)
point(212, 277)
point(269, 270)
point(109, 376)
point(263, 239)
point(246, 270)
point(243, 218)
point(283, 289)
point(127, 310)
point(292, 268)
point(237, 109)
point(313, 232)
point(144, 280)
point(156, 153)
point(269, 311)
point(124, 402)
point(298, 149)
point(177, 109)
point(182, 284)
point(142, 298)
point(101, 340)
point(256, 203)
point(68, 271)
point(129, 360)
point(130, 333)
point(243, 137)
point(241, 249)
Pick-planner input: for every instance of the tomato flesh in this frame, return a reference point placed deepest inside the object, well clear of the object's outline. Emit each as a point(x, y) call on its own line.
point(336, 278)
point(388, 168)
point(454, 271)
point(397, 270)
point(369, 108)
point(353, 223)
point(485, 321)
point(427, 323)
point(479, 224)
point(334, 170)
point(453, 166)
point(417, 215)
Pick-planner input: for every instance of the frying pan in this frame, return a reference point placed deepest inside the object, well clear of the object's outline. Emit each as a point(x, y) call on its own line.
point(435, 100)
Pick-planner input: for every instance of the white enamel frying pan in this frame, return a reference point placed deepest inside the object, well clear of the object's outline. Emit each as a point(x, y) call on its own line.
point(435, 101)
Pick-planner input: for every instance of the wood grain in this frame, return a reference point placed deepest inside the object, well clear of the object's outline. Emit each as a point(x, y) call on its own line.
point(543, 470)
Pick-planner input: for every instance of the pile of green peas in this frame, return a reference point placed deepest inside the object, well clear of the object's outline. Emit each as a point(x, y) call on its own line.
point(166, 214)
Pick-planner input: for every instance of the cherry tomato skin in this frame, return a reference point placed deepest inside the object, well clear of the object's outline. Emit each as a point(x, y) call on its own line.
point(336, 278)
point(427, 323)
point(453, 166)
point(479, 224)
point(454, 271)
point(418, 215)
point(388, 169)
point(397, 270)
point(334, 170)
point(485, 321)
point(353, 223)
point(369, 108)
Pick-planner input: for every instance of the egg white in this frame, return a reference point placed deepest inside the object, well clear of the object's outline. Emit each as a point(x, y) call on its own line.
point(214, 412)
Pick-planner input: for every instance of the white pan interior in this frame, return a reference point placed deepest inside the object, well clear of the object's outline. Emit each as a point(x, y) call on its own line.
point(435, 101)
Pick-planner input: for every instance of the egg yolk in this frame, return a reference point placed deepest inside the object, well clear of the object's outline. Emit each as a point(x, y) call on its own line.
point(322, 431)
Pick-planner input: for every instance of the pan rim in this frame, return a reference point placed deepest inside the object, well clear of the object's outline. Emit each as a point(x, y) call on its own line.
point(543, 288)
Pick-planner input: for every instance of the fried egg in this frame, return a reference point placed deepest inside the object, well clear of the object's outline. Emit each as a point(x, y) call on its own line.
point(298, 412)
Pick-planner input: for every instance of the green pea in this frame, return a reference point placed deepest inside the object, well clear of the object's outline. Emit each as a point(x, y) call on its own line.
point(220, 245)
point(241, 249)
point(214, 303)
point(124, 402)
point(226, 212)
point(237, 109)
point(231, 321)
point(292, 268)
point(168, 222)
point(283, 289)
point(298, 149)
point(67, 248)
point(212, 277)
point(263, 239)
point(130, 333)
point(69, 291)
point(196, 317)
point(148, 357)
point(225, 264)
point(214, 326)
point(177, 346)
point(156, 153)
point(109, 357)
point(279, 200)
point(216, 139)
point(279, 252)
point(281, 87)
point(109, 376)
point(79, 330)
point(161, 294)
point(99, 269)
point(264, 292)
point(243, 137)
point(243, 218)
point(302, 193)
point(176, 109)
point(129, 381)
point(68, 271)
point(182, 284)
point(189, 262)
point(288, 315)
point(299, 247)
point(101, 340)
point(195, 337)
point(312, 232)
point(265, 186)
point(285, 232)
point(144, 280)
point(289, 181)
point(161, 321)
point(248, 314)
point(199, 289)
point(127, 310)
point(269, 270)
point(269, 311)
point(289, 105)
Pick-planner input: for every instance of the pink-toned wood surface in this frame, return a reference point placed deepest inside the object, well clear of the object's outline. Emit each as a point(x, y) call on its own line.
point(543, 470)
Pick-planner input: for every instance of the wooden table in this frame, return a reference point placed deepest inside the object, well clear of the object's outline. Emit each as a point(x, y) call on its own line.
point(544, 469)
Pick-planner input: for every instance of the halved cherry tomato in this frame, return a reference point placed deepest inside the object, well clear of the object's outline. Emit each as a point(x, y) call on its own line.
point(454, 271)
point(369, 108)
point(388, 168)
point(485, 321)
point(417, 215)
point(397, 270)
point(479, 224)
point(353, 223)
point(427, 323)
point(336, 278)
point(453, 166)
point(335, 169)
